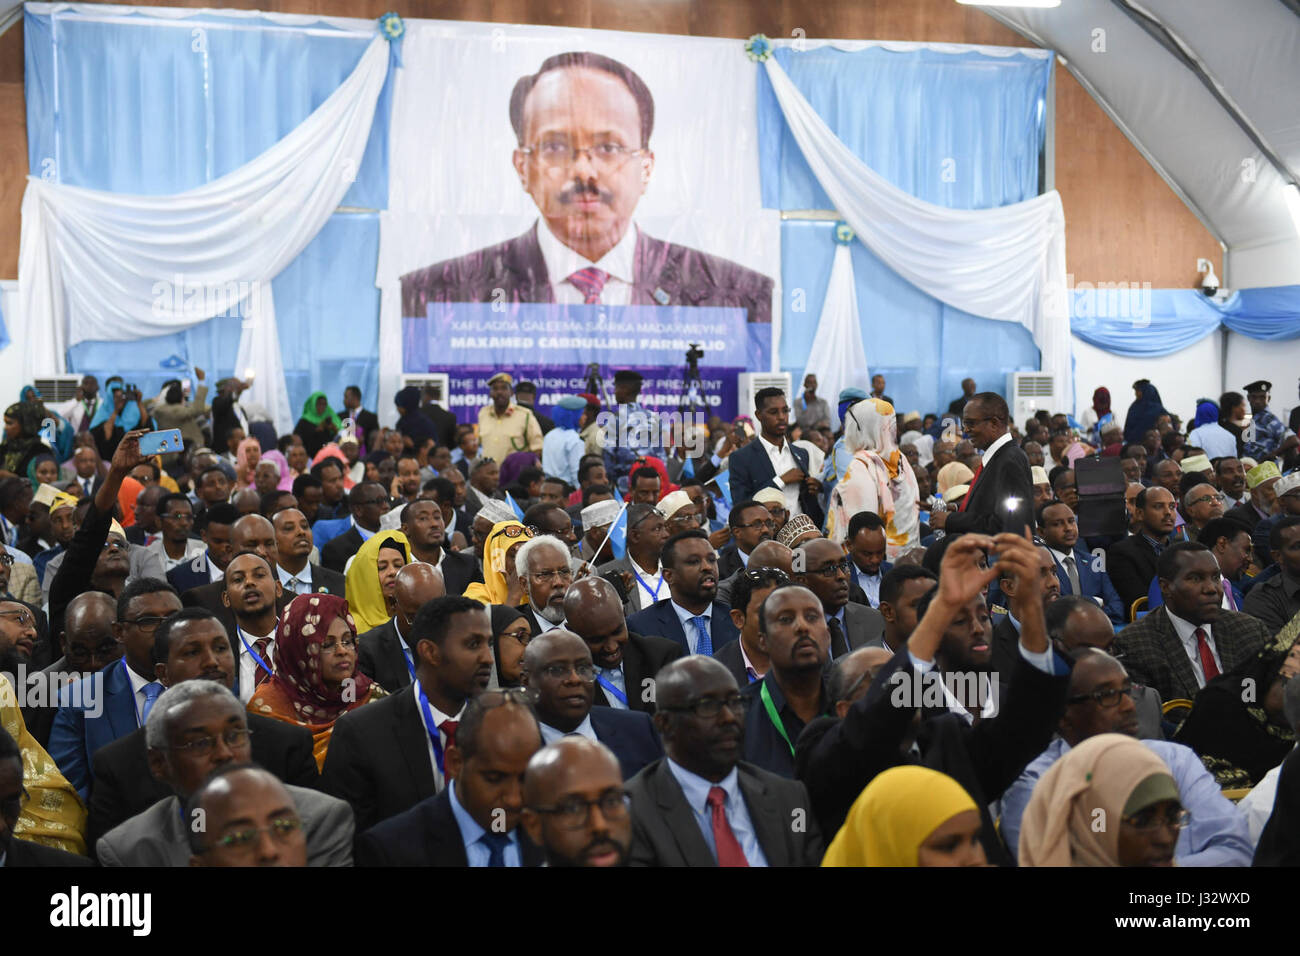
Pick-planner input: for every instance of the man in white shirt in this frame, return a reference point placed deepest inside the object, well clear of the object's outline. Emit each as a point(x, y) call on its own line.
point(543, 568)
point(175, 546)
point(251, 591)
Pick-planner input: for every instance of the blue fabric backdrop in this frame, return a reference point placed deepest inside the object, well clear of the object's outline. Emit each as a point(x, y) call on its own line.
point(141, 105)
point(960, 130)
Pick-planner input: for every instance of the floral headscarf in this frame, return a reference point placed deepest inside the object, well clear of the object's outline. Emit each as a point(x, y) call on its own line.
point(297, 650)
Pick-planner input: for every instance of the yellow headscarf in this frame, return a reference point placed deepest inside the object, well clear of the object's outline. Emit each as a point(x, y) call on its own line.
point(53, 815)
point(894, 815)
point(365, 596)
point(493, 589)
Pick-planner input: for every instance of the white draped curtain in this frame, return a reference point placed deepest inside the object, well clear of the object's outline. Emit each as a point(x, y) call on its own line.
point(114, 267)
point(1006, 263)
point(838, 357)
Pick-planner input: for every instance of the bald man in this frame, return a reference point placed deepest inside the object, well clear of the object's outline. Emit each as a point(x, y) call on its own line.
point(249, 533)
point(702, 805)
point(241, 799)
point(575, 807)
point(88, 646)
point(626, 663)
point(384, 654)
point(560, 677)
point(767, 554)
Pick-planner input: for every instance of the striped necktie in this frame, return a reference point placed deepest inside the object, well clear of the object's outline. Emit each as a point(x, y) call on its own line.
point(589, 281)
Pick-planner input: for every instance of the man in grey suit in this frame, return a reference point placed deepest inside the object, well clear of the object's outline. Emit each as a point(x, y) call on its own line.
point(194, 728)
point(822, 567)
point(584, 249)
point(639, 575)
point(702, 805)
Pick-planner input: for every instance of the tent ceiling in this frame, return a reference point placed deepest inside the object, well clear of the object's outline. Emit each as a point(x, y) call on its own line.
point(1206, 90)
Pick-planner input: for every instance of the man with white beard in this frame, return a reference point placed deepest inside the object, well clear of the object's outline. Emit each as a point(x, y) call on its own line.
point(543, 568)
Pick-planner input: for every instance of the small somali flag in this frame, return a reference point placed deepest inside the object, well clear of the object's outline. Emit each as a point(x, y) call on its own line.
point(618, 535)
point(514, 506)
point(688, 468)
point(173, 363)
point(723, 481)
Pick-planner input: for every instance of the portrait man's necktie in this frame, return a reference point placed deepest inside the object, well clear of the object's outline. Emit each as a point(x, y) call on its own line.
point(589, 281)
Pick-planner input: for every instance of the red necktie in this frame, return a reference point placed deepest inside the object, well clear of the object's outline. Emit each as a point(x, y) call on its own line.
point(260, 646)
point(589, 282)
point(1207, 657)
point(729, 851)
point(973, 478)
point(448, 727)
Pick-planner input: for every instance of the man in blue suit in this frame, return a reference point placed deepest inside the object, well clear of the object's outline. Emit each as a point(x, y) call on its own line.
point(116, 700)
point(771, 461)
point(215, 529)
point(1059, 529)
point(689, 615)
point(560, 677)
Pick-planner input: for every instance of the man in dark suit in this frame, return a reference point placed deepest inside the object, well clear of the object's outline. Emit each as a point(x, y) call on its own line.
point(772, 461)
point(702, 805)
point(792, 631)
point(426, 533)
point(750, 523)
point(691, 570)
point(475, 820)
point(1131, 562)
point(967, 393)
point(1001, 496)
point(583, 249)
point(215, 527)
point(368, 502)
point(1005, 644)
point(13, 851)
point(367, 422)
point(189, 645)
point(559, 675)
point(626, 663)
point(1276, 600)
point(865, 544)
point(249, 533)
point(444, 422)
point(1059, 528)
point(388, 756)
point(1189, 641)
point(111, 704)
point(383, 652)
point(1261, 481)
point(744, 659)
point(564, 780)
point(822, 567)
point(293, 567)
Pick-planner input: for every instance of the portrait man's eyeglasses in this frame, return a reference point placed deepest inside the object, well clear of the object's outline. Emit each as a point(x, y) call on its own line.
point(558, 154)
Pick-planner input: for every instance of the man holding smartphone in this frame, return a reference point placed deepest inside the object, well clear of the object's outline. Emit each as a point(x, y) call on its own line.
point(1001, 496)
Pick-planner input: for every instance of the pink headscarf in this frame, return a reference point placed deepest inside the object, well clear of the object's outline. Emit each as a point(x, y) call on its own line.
point(332, 450)
point(286, 479)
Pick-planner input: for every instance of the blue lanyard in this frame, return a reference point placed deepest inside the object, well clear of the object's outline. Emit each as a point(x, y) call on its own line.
point(641, 581)
point(256, 656)
point(426, 715)
point(622, 697)
point(410, 662)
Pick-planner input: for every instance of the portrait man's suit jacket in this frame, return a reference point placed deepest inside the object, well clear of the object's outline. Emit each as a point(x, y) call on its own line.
point(1153, 654)
point(1131, 565)
point(75, 736)
point(664, 274)
point(23, 853)
point(378, 759)
point(335, 554)
point(661, 619)
point(1093, 584)
point(664, 831)
point(123, 785)
point(751, 471)
point(643, 657)
point(630, 734)
point(381, 658)
point(1005, 476)
point(192, 574)
point(459, 570)
point(157, 837)
point(427, 835)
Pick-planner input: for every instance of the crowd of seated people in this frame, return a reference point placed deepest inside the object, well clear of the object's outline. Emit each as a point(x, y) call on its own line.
point(527, 641)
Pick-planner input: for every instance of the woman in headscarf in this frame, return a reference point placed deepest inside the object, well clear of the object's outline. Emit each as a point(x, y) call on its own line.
point(1097, 417)
point(126, 497)
point(1240, 740)
point(563, 447)
point(1209, 434)
point(43, 470)
point(500, 584)
point(510, 635)
point(285, 481)
point(516, 463)
point(1108, 802)
point(318, 424)
point(372, 578)
point(22, 438)
point(247, 458)
point(316, 678)
point(118, 414)
point(64, 434)
point(910, 816)
point(879, 479)
point(1142, 414)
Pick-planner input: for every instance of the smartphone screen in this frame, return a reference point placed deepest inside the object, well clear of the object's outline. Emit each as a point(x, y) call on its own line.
point(162, 442)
